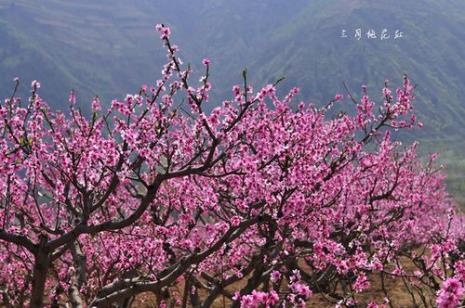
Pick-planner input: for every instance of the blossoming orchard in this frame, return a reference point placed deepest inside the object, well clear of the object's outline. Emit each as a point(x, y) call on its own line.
point(262, 202)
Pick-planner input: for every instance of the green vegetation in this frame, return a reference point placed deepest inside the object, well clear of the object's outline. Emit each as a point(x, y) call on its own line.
point(109, 48)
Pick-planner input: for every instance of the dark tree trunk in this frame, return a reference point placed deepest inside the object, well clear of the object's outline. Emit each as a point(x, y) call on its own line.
point(41, 266)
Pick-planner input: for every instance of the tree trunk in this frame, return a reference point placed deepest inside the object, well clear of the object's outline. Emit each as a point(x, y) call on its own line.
point(79, 277)
point(41, 266)
point(75, 298)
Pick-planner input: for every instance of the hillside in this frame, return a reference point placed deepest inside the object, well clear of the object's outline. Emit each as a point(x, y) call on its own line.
point(109, 48)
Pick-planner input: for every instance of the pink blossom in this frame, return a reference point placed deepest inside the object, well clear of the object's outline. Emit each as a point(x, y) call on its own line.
point(35, 84)
point(451, 293)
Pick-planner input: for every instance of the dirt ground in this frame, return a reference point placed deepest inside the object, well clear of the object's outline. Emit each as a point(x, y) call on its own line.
point(399, 296)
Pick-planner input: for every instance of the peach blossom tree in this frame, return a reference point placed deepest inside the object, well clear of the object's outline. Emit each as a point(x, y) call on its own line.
point(259, 201)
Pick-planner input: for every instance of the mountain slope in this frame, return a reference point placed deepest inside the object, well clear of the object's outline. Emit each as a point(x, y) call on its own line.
point(311, 52)
point(109, 48)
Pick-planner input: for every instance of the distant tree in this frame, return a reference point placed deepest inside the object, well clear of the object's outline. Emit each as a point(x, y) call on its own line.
point(155, 195)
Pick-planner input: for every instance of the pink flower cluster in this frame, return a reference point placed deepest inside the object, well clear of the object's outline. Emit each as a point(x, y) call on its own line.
point(451, 294)
point(259, 299)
